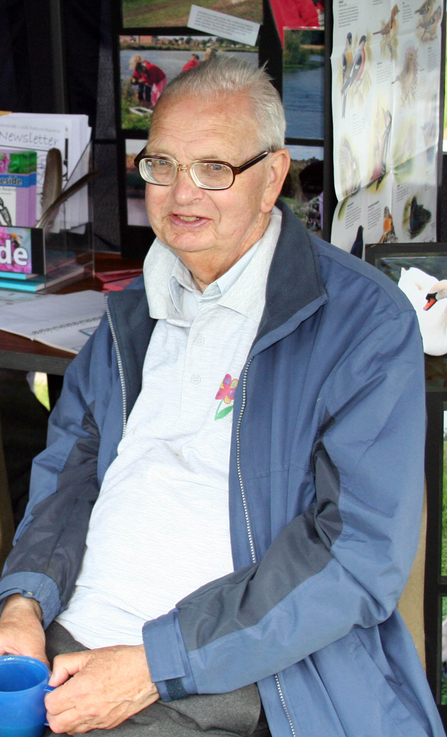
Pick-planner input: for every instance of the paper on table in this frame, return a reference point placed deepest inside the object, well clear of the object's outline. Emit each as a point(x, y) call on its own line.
point(63, 321)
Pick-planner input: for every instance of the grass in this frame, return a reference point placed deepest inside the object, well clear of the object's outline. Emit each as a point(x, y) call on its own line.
point(443, 678)
point(166, 13)
point(129, 120)
point(444, 515)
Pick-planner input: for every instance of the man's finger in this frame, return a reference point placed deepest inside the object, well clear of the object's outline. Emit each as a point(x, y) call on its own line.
point(67, 665)
point(69, 722)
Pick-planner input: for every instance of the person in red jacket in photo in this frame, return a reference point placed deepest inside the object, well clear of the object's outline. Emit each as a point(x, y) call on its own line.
point(194, 61)
point(151, 80)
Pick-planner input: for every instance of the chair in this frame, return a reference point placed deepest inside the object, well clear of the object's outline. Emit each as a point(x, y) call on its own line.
point(411, 603)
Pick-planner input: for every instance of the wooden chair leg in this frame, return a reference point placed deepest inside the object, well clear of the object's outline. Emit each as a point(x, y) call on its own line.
point(411, 603)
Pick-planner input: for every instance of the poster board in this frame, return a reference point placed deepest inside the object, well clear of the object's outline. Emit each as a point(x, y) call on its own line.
point(157, 33)
point(387, 61)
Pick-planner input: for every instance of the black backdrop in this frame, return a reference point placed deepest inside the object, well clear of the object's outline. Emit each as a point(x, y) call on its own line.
point(61, 62)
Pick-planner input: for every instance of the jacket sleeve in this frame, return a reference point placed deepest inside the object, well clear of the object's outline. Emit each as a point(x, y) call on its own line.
point(49, 543)
point(344, 561)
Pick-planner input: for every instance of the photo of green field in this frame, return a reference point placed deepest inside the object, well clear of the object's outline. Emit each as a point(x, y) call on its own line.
point(444, 502)
point(443, 699)
point(160, 13)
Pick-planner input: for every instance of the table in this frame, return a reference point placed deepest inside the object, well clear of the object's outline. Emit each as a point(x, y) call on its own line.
point(24, 354)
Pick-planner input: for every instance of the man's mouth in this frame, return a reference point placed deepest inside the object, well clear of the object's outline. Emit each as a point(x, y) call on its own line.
point(188, 221)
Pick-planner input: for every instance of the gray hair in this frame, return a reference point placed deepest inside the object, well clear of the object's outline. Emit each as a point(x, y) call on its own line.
point(224, 74)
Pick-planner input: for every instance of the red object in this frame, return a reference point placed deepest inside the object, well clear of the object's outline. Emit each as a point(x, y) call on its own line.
point(191, 64)
point(148, 73)
point(294, 14)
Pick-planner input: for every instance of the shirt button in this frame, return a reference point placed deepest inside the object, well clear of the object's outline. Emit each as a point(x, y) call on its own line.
point(199, 340)
point(195, 379)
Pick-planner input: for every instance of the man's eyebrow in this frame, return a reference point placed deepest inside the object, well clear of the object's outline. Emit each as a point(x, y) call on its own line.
point(209, 157)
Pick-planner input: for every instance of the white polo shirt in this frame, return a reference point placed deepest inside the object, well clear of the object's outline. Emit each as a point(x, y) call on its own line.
point(160, 526)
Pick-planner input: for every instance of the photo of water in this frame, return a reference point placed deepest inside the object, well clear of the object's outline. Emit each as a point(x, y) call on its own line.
point(303, 83)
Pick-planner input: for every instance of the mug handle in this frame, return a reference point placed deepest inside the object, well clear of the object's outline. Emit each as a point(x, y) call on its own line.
point(47, 689)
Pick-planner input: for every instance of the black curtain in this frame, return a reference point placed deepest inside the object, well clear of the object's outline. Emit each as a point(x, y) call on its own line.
point(61, 62)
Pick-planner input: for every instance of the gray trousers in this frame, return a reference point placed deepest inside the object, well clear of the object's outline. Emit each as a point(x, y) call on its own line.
point(235, 714)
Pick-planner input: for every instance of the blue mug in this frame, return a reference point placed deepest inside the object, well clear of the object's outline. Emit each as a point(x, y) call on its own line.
point(23, 685)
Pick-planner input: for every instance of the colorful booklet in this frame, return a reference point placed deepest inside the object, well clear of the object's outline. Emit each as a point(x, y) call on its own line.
point(21, 253)
point(18, 187)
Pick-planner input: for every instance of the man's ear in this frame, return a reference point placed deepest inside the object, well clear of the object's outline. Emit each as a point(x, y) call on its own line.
point(279, 165)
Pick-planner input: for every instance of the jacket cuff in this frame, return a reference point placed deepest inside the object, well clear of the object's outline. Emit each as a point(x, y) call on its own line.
point(33, 586)
point(167, 657)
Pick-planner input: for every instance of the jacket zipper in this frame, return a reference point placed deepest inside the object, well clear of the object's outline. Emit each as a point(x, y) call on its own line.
point(247, 519)
point(120, 367)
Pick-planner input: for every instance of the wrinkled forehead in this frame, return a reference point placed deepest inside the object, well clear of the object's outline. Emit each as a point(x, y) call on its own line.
point(224, 121)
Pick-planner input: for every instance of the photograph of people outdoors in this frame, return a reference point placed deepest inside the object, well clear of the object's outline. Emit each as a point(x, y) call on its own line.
point(303, 187)
point(303, 83)
point(444, 529)
point(160, 13)
point(444, 143)
point(148, 63)
point(443, 699)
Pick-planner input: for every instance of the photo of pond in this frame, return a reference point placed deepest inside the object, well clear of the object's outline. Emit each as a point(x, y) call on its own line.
point(170, 55)
point(303, 83)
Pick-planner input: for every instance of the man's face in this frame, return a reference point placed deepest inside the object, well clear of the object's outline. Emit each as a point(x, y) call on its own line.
point(221, 225)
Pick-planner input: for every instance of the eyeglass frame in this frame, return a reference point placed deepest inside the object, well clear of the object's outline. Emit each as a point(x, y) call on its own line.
point(187, 167)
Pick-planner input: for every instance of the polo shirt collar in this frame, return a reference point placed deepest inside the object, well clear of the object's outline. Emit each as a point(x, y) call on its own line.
point(241, 288)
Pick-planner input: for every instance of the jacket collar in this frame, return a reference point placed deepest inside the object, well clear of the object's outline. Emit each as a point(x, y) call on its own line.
point(294, 286)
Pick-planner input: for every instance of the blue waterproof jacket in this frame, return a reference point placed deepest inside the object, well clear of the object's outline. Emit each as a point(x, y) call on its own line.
point(325, 494)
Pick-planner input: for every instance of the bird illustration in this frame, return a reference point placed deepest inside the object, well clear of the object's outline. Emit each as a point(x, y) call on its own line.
point(357, 246)
point(416, 284)
point(358, 65)
point(380, 151)
point(426, 8)
point(347, 58)
point(419, 217)
point(431, 25)
point(349, 169)
point(389, 234)
point(388, 30)
point(387, 27)
point(408, 76)
point(437, 291)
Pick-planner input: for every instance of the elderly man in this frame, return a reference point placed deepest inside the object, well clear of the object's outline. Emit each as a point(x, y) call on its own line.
point(248, 427)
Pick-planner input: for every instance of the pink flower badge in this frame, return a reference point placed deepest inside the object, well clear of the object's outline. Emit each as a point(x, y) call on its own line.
point(226, 393)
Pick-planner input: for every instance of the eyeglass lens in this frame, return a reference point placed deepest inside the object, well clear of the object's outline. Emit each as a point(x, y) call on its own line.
point(163, 171)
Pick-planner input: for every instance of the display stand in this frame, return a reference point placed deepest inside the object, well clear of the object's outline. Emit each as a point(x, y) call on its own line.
point(60, 249)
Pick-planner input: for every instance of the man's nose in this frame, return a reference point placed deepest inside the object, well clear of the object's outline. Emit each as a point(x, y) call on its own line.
point(184, 188)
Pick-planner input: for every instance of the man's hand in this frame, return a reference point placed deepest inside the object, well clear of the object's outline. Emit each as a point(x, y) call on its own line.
point(109, 685)
point(21, 631)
